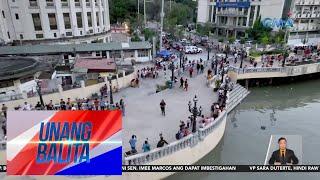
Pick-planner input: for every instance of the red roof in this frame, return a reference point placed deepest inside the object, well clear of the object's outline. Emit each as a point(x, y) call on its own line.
point(96, 64)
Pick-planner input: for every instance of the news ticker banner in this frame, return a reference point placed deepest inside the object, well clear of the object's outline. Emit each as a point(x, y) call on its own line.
point(64, 143)
point(221, 168)
point(213, 168)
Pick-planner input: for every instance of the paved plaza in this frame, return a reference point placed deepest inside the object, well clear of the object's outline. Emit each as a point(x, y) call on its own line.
point(142, 113)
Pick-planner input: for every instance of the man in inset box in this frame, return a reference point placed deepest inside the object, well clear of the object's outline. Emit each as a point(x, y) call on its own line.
point(283, 156)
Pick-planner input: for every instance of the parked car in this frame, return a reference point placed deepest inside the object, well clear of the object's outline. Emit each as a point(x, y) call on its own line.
point(199, 50)
point(190, 49)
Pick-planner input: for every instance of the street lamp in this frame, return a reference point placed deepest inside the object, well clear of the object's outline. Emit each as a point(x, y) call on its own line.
point(110, 84)
point(195, 112)
point(242, 55)
point(38, 88)
point(172, 71)
point(181, 54)
point(208, 49)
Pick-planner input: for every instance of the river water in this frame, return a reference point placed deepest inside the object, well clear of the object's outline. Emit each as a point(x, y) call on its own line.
point(292, 109)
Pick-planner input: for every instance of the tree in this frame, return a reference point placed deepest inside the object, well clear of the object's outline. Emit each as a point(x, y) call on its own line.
point(257, 31)
point(204, 30)
point(148, 34)
point(120, 10)
point(264, 39)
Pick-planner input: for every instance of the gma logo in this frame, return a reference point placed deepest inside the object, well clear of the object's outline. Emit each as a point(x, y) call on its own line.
point(277, 23)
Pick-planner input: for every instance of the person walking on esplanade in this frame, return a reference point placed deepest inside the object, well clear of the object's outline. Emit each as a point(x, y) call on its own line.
point(163, 107)
point(132, 143)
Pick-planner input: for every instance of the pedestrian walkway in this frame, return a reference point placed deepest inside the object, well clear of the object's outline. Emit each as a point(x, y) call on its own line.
point(143, 116)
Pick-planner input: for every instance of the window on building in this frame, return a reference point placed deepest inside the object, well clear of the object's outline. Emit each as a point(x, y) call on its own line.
point(115, 54)
point(77, 3)
point(67, 22)
point(36, 21)
point(64, 3)
point(50, 3)
point(54, 34)
point(26, 79)
point(17, 16)
point(52, 21)
point(143, 53)
point(88, 3)
point(89, 19)
point(103, 18)
point(33, 3)
point(79, 19)
point(97, 17)
point(95, 2)
point(251, 16)
point(258, 11)
point(39, 36)
point(4, 84)
point(3, 15)
point(21, 36)
point(8, 35)
point(129, 53)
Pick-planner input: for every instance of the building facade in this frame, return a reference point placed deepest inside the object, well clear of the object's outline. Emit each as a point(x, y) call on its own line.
point(233, 17)
point(47, 21)
point(306, 16)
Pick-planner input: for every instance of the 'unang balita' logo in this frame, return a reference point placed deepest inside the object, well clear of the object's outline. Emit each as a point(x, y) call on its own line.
point(277, 23)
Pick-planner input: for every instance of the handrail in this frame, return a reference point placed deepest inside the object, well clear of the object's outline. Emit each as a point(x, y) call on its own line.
point(174, 146)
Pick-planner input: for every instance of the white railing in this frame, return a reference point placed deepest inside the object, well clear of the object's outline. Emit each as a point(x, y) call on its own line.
point(256, 70)
point(10, 97)
point(188, 141)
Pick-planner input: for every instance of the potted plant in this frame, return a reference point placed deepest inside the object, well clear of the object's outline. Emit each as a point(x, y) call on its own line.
point(217, 85)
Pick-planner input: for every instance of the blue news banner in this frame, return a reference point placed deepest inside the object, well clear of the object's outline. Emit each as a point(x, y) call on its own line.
point(214, 168)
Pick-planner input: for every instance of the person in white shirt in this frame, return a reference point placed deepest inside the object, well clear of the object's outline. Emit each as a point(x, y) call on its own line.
point(26, 107)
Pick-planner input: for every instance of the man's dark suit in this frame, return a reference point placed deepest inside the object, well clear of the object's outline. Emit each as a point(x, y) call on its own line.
point(289, 157)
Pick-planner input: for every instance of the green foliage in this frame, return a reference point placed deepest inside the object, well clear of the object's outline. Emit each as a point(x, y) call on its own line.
point(120, 10)
point(259, 53)
point(204, 30)
point(258, 32)
point(231, 39)
point(148, 34)
point(264, 39)
point(221, 40)
point(242, 40)
point(135, 38)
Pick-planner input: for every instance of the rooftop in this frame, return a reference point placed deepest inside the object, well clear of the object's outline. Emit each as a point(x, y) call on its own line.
point(95, 64)
point(71, 48)
point(17, 67)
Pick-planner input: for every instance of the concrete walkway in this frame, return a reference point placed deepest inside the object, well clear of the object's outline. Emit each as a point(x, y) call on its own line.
point(143, 116)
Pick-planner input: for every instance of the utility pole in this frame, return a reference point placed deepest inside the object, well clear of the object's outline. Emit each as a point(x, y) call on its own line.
point(161, 28)
point(144, 12)
point(138, 12)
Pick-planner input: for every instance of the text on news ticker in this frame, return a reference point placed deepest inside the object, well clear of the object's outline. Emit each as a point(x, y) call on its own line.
point(221, 168)
point(213, 168)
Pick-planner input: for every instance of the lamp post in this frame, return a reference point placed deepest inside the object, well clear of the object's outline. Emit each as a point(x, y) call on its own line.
point(195, 112)
point(172, 71)
point(38, 87)
point(110, 84)
point(181, 54)
point(242, 55)
point(208, 49)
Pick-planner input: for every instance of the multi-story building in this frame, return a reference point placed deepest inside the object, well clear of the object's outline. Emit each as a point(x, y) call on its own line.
point(47, 21)
point(233, 17)
point(306, 16)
